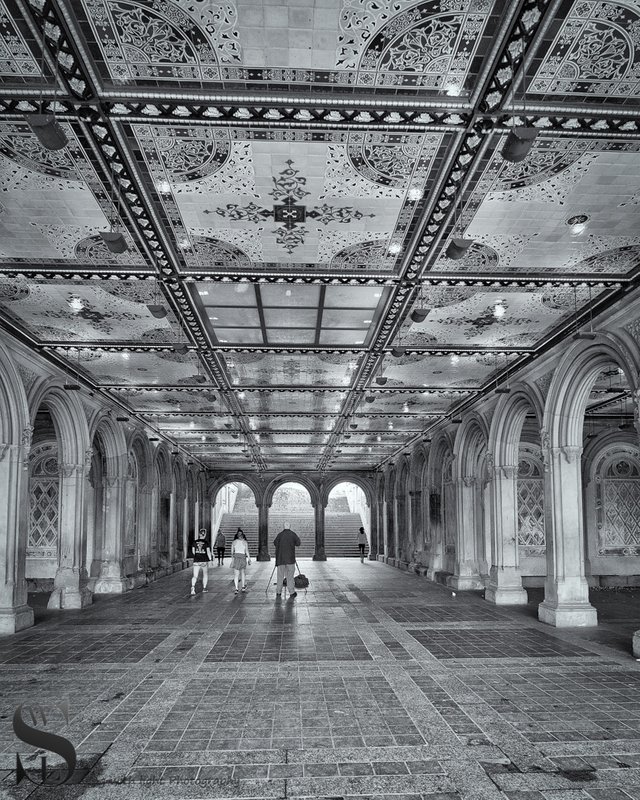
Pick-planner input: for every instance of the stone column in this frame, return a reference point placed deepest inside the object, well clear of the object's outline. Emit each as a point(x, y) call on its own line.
point(145, 495)
point(70, 583)
point(15, 614)
point(111, 579)
point(389, 550)
point(414, 526)
point(505, 582)
point(263, 532)
point(566, 592)
point(466, 575)
point(375, 515)
point(319, 554)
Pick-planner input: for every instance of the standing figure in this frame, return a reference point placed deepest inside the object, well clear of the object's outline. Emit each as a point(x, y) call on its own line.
point(285, 543)
point(241, 557)
point(201, 558)
point(220, 544)
point(362, 543)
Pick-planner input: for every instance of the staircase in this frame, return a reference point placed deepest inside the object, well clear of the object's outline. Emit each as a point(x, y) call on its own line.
point(339, 532)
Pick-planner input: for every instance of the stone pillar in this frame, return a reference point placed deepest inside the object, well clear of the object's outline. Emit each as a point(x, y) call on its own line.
point(319, 554)
point(111, 579)
point(263, 532)
point(414, 525)
point(375, 514)
point(70, 588)
point(390, 543)
point(15, 614)
point(466, 575)
point(566, 592)
point(144, 528)
point(505, 582)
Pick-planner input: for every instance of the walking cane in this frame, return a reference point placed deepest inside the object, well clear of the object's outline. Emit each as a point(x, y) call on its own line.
point(266, 591)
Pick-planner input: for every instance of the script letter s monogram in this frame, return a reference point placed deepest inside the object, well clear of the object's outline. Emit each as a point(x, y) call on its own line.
point(46, 741)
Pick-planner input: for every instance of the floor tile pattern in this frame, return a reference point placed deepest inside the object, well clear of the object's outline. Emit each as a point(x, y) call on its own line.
point(374, 684)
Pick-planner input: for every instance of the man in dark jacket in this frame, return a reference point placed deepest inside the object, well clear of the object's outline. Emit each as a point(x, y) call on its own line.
point(285, 543)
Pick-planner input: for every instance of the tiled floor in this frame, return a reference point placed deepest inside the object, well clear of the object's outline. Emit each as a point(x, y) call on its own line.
point(374, 683)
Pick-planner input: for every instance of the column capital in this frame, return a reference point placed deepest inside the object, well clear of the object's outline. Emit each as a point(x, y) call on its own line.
point(570, 453)
point(70, 470)
point(468, 480)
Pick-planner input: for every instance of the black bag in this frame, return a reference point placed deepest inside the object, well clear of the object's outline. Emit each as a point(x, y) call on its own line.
point(300, 581)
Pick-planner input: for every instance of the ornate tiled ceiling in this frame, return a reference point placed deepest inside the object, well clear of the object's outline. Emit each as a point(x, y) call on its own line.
point(287, 179)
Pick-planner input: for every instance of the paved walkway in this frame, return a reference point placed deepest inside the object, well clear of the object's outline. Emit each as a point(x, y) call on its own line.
point(374, 683)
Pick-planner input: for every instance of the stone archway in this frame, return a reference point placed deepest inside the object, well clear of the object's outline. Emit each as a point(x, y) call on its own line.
point(348, 508)
point(235, 504)
point(566, 601)
point(15, 441)
point(73, 455)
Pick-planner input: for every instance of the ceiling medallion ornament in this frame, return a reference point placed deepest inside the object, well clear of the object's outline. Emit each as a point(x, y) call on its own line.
point(288, 210)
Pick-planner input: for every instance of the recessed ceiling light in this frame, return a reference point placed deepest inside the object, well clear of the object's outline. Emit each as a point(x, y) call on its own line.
point(288, 293)
point(378, 438)
point(578, 223)
point(184, 244)
point(203, 293)
point(164, 187)
point(125, 355)
point(241, 395)
point(415, 193)
point(359, 341)
point(390, 426)
point(215, 319)
point(499, 310)
point(367, 321)
point(377, 294)
point(454, 89)
point(76, 304)
point(224, 340)
point(395, 248)
point(455, 359)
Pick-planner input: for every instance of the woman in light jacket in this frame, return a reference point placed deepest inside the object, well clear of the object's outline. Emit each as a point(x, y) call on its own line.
point(240, 556)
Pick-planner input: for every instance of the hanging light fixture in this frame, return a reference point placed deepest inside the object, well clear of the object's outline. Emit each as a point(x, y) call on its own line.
point(583, 335)
point(458, 246)
point(420, 312)
point(46, 127)
point(521, 137)
point(503, 389)
point(114, 239)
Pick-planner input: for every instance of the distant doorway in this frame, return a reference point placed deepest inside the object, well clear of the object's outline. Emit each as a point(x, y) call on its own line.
point(346, 512)
point(291, 507)
point(234, 507)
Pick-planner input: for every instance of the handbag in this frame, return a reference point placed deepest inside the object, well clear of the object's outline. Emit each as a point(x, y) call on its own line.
point(300, 581)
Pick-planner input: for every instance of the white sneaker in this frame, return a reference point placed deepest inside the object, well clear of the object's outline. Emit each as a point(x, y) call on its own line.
point(193, 591)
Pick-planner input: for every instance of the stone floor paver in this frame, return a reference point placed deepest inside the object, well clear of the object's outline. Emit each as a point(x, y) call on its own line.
point(372, 684)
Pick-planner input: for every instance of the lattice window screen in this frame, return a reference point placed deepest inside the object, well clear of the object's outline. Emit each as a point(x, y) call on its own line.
point(531, 535)
point(43, 518)
point(622, 513)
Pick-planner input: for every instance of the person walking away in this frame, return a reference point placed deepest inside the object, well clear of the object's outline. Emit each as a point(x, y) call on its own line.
point(240, 556)
point(220, 544)
point(362, 543)
point(285, 543)
point(201, 558)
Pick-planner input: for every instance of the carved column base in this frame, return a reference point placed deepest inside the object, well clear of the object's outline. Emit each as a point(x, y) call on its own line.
point(464, 583)
point(17, 619)
point(63, 598)
point(69, 591)
point(319, 555)
point(110, 586)
point(263, 555)
point(568, 615)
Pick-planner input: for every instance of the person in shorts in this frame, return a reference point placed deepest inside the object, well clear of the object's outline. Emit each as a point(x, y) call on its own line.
point(362, 543)
point(241, 557)
point(201, 558)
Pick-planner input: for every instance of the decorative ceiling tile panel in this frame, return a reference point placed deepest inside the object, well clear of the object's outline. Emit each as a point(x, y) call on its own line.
point(594, 55)
point(162, 40)
point(78, 311)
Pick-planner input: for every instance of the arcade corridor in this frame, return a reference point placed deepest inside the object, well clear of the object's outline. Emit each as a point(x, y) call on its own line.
point(376, 683)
